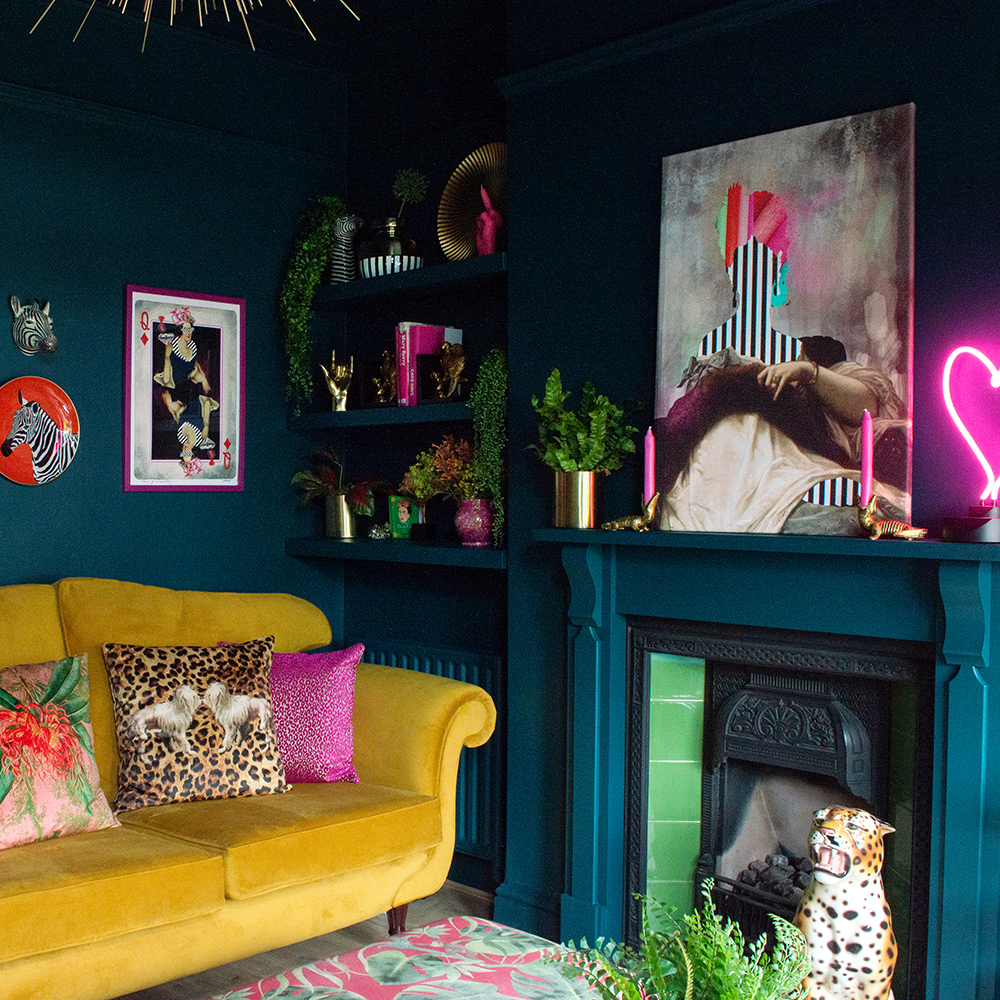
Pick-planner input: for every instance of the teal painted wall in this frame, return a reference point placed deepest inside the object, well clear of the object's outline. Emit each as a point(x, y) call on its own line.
point(587, 134)
point(186, 168)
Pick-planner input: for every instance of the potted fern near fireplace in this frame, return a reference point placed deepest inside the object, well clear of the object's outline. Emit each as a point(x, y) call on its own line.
point(697, 956)
point(582, 446)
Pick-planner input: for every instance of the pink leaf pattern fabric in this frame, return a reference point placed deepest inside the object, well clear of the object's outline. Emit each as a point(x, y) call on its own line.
point(458, 957)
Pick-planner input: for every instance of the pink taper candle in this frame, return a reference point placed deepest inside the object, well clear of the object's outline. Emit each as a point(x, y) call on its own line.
point(649, 479)
point(867, 444)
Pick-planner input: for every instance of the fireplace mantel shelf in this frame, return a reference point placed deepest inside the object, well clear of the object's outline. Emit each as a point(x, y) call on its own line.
point(943, 595)
point(883, 548)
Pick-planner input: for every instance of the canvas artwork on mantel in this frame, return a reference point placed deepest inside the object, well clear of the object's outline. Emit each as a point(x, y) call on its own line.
point(785, 311)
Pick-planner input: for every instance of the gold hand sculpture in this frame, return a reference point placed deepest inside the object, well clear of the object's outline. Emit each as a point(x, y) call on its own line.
point(338, 379)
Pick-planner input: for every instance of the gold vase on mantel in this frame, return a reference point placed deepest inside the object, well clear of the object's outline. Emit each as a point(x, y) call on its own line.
point(339, 517)
point(579, 499)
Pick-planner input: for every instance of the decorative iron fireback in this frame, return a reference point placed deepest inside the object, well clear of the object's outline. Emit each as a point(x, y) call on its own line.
point(769, 724)
point(782, 721)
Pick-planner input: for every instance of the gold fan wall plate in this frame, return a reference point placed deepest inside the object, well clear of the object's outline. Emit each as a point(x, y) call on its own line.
point(462, 203)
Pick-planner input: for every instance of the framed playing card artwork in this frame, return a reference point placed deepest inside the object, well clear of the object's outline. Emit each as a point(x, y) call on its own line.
point(183, 397)
point(785, 312)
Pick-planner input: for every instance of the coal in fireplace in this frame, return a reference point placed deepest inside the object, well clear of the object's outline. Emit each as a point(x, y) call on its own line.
point(793, 722)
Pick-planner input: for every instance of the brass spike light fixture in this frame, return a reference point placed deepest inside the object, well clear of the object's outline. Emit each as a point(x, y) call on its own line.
point(242, 6)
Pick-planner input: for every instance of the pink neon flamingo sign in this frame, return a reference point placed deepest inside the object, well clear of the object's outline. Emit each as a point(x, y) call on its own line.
point(992, 481)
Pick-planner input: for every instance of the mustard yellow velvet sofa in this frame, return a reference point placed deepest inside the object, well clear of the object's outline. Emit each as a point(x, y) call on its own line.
point(180, 888)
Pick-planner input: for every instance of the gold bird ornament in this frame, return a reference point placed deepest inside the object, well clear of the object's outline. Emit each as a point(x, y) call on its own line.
point(450, 377)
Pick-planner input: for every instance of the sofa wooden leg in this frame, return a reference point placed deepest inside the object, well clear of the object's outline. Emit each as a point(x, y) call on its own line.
point(397, 919)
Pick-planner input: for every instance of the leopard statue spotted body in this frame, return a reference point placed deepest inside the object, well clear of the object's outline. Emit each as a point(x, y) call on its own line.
point(843, 912)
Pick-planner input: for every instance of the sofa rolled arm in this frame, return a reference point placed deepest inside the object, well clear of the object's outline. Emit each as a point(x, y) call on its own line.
point(409, 727)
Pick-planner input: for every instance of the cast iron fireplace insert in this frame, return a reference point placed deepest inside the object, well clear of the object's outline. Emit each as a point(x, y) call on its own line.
point(807, 713)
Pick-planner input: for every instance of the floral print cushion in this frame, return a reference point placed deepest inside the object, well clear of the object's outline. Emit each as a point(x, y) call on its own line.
point(49, 785)
point(457, 957)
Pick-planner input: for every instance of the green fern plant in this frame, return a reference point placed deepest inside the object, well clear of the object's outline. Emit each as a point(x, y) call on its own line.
point(700, 956)
point(594, 437)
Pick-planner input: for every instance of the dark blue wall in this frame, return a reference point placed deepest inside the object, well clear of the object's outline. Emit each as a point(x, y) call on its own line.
point(587, 133)
point(185, 167)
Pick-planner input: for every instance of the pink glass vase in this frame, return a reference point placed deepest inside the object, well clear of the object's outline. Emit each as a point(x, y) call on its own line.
point(474, 522)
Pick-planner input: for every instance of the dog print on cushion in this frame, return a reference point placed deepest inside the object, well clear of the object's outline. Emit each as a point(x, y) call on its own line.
point(237, 713)
point(194, 722)
point(843, 912)
point(170, 718)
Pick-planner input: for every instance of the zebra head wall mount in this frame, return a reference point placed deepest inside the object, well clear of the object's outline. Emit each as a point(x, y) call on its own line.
point(32, 327)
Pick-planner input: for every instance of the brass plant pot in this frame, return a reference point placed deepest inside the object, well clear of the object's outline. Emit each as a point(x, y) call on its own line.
point(579, 499)
point(339, 517)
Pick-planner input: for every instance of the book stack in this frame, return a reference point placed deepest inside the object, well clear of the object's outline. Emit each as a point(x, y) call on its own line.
point(413, 339)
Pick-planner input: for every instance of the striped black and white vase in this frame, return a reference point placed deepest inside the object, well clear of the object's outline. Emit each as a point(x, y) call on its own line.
point(389, 251)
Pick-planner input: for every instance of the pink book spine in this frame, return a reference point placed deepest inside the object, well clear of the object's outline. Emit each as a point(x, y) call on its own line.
point(403, 366)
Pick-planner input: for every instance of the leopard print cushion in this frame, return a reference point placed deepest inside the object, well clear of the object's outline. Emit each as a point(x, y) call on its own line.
point(193, 722)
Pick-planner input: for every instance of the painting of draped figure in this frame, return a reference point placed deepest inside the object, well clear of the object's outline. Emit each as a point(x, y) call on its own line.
point(785, 312)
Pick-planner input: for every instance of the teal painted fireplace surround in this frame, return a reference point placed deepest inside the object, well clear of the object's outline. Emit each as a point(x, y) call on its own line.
point(933, 592)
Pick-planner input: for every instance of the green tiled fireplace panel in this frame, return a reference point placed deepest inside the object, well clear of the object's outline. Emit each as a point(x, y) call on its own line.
point(676, 722)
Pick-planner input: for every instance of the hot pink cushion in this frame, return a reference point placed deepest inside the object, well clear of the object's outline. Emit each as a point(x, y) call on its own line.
point(313, 695)
point(313, 699)
point(49, 786)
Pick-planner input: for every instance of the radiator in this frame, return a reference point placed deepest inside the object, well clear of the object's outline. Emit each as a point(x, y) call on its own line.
point(479, 820)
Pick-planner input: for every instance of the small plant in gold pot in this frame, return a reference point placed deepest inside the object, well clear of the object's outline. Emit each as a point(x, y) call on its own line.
point(582, 446)
point(325, 481)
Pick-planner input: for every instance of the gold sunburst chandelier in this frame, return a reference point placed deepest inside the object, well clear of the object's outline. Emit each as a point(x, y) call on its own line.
point(242, 6)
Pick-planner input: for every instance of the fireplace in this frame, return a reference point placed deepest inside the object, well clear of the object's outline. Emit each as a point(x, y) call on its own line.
point(792, 721)
point(943, 597)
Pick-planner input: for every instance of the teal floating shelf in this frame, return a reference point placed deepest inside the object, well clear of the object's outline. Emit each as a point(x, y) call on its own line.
point(382, 416)
point(434, 279)
point(397, 550)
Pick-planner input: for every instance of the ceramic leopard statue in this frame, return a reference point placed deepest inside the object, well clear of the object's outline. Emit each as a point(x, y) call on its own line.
point(843, 912)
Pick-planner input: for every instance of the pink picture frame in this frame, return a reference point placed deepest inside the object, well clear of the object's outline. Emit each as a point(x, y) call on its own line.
point(183, 399)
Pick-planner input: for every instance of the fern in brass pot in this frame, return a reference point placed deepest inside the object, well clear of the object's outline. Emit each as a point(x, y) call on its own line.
point(595, 437)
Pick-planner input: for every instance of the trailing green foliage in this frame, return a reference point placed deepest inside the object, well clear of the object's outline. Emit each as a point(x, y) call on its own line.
point(594, 437)
point(309, 257)
point(488, 402)
point(698, 957)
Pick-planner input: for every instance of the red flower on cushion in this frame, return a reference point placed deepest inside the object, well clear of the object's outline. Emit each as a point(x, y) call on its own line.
point(41, 738)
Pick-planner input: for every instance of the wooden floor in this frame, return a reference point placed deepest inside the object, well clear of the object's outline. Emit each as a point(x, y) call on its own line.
point(452, 901)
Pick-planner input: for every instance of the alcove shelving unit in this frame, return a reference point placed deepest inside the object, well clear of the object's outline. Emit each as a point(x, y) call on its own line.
point(436, 293)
